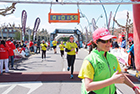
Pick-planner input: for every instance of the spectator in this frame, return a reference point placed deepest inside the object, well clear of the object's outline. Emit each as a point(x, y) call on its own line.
point(17, 44)
point(31, 46)
point(131, 52)
point(123, 44)
point(78, 44)
point(11, 52)
point(91, 45)
point(35, 46)
point(4, 56)
point(115, 44)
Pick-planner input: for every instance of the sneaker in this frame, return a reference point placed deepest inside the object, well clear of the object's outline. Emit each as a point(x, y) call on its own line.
point(68, 68)
point(7, 72)
point(71, 77)
point(12, 68)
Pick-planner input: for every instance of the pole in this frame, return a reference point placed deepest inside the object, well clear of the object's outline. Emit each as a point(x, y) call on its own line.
point(98, 18)
point(136, 29)
point(81, 27)
point(88, 23)
point(29, 32)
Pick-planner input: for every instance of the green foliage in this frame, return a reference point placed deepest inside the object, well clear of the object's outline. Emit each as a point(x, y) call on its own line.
point(65, 38)
point(17, 36)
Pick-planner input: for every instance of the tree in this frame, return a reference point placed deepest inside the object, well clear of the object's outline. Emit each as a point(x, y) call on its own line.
point(8, 10)
point(127, 26)
point(17, 36)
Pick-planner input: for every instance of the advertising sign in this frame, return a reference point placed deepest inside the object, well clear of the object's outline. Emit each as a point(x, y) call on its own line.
point(64, 17)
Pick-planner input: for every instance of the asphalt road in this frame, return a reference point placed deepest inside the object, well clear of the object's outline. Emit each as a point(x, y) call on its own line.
point(50, 76)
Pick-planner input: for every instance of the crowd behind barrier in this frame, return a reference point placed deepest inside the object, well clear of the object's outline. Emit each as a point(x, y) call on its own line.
point(121, 55)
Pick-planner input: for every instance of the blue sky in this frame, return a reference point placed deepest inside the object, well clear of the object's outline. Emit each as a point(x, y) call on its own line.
point(42, 10)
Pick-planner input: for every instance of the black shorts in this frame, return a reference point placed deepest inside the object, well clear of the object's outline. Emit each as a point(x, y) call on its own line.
point(54, 47)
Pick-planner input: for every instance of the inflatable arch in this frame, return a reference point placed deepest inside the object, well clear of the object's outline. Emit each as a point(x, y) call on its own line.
point(58, 33)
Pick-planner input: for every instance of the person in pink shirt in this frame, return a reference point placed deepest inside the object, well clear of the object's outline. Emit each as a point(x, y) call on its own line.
point(4, 57)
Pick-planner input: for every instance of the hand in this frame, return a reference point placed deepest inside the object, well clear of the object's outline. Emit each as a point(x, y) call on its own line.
point(72, 49)
point(76, 52)
point(118, 77)
point(137, 91)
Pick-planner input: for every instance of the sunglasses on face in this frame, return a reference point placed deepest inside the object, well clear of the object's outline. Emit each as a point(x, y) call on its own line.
point(104, 41)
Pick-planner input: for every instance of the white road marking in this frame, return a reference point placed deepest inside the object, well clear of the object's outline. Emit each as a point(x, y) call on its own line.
point(31, 85)
point(9, 89)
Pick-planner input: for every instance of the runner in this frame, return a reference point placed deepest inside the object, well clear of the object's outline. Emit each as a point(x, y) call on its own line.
point(100, 69)
point(62, 46)
point(70, 49)
point(44, 48)
point(54, 45)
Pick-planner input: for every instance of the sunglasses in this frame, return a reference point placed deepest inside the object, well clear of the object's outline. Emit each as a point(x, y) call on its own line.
point(104, 41)
point(71, 38)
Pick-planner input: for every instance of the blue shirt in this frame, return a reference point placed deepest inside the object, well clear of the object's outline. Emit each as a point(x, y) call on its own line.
point(131, 49)
point(123, 45)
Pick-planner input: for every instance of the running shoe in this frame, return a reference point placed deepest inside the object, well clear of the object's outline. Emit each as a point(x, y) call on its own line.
point(68, 68)
point(71, 77)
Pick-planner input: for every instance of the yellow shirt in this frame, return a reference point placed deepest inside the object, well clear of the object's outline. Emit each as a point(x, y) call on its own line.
point(71, 46)
point(54, 43)
point(62, 46)
point(43, 46)
point(88, 71)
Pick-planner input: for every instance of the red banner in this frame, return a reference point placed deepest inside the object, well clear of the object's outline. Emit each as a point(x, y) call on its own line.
point(130, 36)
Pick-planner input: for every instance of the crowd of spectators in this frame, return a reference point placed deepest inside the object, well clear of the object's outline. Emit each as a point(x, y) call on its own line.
point(11, 50)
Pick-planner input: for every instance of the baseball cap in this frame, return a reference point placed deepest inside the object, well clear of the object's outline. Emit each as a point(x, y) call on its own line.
point(103, 34)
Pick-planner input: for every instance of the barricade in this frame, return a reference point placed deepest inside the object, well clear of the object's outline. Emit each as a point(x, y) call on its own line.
point(122, 57)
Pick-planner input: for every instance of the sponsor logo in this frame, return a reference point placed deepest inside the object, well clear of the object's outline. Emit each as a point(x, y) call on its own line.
point(105, 33)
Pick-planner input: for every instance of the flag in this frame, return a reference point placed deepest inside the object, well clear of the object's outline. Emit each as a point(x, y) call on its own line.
point(109, 20)
point(23, 22)
point(94, 24)
point(36, 25)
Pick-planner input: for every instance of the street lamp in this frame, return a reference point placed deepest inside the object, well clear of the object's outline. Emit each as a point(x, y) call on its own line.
point(101, 16)
point(104, 12)
point(84, 16)
point(81, 27)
